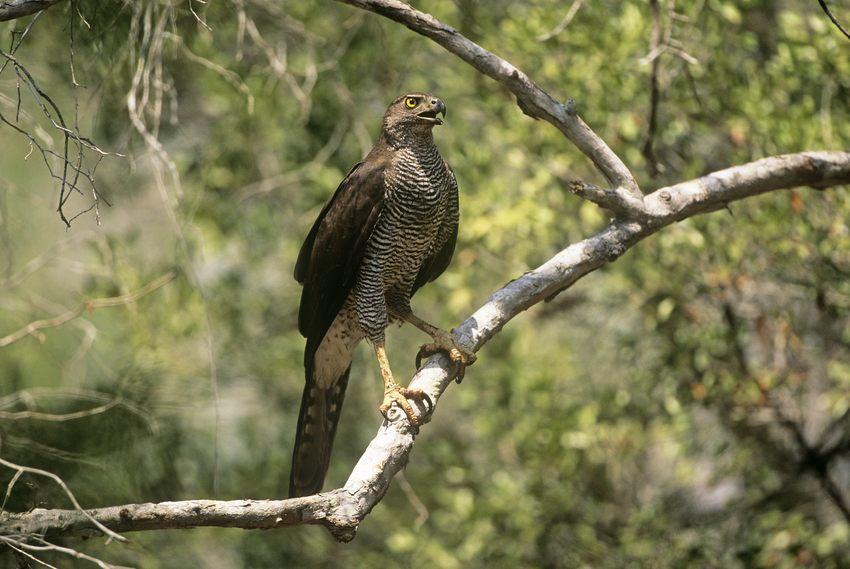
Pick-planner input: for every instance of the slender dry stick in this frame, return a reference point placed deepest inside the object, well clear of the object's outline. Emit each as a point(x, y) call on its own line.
point(563, 24)
point(833, 18)
point(88, 304)
point(149, 62)
point(655, 41)
point(71, 170)
point(86, 515)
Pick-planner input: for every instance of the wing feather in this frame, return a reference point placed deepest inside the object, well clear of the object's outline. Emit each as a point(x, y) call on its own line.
point(333, 250)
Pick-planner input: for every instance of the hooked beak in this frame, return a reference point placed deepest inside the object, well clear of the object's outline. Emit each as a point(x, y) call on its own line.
point(430, 114)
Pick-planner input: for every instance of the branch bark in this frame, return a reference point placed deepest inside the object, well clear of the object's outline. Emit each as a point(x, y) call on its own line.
point(14, 9)
point(656, 211)
point(342, 510)
point(534, 101)
point(245, 514)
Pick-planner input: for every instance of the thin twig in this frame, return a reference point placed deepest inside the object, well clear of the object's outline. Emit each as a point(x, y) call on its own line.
point(833, 18)
point(138, 101)
point(647, 150)
point(21, 546)
point(21, 469)
point(30, 397)
point(72, 170)
point(90, 305)
point(564, 23)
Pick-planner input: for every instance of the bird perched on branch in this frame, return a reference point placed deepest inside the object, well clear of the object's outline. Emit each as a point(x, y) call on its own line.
point(389, 228)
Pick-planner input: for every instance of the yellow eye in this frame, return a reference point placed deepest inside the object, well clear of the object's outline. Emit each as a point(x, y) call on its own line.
point(410, 102)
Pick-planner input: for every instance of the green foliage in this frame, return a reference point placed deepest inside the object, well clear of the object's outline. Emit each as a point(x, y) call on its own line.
point(640, 419)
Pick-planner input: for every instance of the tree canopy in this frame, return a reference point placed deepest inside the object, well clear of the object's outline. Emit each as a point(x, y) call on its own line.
point(686, 405)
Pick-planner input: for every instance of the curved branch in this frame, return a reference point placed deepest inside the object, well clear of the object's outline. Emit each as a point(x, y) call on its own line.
point(833, 18)
point(33, 327)
point(14, 9)
point(658, 210)
point(534, 101)
point(339, 510)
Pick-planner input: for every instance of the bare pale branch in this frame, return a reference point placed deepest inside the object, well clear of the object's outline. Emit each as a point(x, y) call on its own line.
point(534, 101)
point(13, 9)
point(244, 514)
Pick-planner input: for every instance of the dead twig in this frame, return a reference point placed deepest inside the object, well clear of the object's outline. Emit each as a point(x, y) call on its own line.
point(87, 304)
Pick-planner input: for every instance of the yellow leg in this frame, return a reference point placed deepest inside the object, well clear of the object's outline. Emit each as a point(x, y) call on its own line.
point(393, 392)
point(443, 342)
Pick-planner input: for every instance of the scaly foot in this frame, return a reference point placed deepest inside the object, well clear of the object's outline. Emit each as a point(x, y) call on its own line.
point(397, 394)
point(394, 393)
point(446, 342)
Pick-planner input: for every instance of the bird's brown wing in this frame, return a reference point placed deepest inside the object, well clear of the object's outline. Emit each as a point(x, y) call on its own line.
point(327, 267)
point(328, 262)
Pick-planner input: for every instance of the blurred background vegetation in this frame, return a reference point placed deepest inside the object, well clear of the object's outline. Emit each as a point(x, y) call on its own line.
point(686, 406)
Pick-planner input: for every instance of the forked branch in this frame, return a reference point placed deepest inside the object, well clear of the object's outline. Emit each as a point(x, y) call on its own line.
point(342, 510)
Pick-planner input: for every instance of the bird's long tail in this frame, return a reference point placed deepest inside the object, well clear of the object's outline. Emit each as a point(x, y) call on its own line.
point(326, 372)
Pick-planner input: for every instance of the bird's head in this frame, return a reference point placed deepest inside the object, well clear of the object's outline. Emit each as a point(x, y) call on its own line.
point(414, 113)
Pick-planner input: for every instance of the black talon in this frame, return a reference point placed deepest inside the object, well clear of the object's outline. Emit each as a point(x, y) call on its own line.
point(427, 352)
point(426, 397)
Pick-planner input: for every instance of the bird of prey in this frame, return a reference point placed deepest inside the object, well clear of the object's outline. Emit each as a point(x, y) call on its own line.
point(389, 228)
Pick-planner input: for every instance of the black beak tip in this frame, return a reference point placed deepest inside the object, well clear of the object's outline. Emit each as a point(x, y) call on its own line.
point(439, 109)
